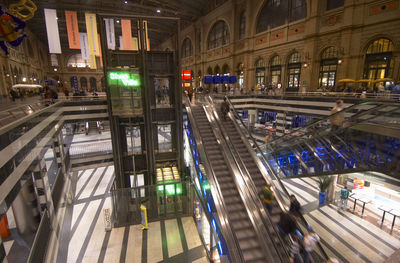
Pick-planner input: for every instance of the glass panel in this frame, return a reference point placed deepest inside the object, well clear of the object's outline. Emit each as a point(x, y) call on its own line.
point(330, 52)
point(161, 86)
point(219, 35)
point(295, 58)
point(275, 76)
point(260, 76)
point(275, 61)
point(164, 138)
point(380, 46)
point(133, 140)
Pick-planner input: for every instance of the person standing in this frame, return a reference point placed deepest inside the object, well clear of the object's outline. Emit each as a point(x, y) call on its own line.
point(337, 117)
point(268, 195)
point(310, 241)
point(344, 195)
point(224, 108)
point(295, 250)
point(295, 208)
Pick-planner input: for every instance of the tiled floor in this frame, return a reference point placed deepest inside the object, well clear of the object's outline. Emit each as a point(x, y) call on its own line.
point(345, 235)
point(84, 238)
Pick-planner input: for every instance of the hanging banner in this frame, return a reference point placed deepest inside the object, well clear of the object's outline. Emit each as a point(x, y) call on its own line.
point(72, 28)
point(53, 35)
point(101, 55)
point(92, 62)
point(110, 32)
point(83, 40)
point(127, 34)
point(91, 29)
point(121, 44)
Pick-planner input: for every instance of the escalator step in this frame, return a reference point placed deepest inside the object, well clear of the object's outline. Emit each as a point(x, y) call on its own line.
point(254, 255)
point(234, 206)
point(246, 234)
point(227, 185)
point(241, 224)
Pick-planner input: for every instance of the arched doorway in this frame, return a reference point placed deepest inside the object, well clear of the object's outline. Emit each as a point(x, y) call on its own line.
point(275, 70)
point(294, 68)
point(328, 68)
point(379, 60)
point(260, 72)
point(84, 84)
point(93, 84)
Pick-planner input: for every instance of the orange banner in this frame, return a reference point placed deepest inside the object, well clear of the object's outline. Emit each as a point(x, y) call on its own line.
point(101, 55)
point(127, 34)
point(72, 29)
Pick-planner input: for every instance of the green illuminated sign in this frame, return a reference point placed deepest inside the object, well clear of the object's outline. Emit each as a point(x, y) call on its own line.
point(170, 189)
point(206, 186)
point(126, 79)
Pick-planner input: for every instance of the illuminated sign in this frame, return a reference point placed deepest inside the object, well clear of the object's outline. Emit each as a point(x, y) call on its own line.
point(187, 85)
point(170, 189)
point(186, 74)
point(127, 79)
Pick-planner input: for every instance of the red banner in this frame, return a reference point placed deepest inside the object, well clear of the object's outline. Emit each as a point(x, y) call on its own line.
point(72, 29)
point(127, 34)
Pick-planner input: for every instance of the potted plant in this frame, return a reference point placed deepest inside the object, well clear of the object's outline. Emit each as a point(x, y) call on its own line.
point(323, 182)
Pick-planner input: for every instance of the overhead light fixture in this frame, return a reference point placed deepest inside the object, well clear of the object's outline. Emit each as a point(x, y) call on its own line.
point(158, 11)
point(125, 1)
point(117, 21)
point(55, 69)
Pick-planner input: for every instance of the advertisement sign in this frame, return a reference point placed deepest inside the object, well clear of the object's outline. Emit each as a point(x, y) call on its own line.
point(107, 219)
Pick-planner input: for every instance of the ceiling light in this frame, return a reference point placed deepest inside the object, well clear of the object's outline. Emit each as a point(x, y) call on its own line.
point(117, 20)
point(125, 1)
point(158, 11)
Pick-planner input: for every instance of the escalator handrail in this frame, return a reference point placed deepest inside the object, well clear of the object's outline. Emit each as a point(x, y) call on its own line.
point(231, 240)
point(276, 177)
point(250, 185)
point(286, 137)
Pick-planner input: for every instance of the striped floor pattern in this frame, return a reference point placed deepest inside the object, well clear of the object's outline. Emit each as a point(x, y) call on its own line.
point(85, 240)
point(345, 236)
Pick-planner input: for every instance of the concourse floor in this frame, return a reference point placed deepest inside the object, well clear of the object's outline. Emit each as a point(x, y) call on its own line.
point(84, 238)
point(346, 235)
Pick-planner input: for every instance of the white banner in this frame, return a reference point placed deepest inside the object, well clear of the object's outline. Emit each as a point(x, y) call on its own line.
point(121, 43)
point(110, 33)
point(53, 36)
point(84, 46)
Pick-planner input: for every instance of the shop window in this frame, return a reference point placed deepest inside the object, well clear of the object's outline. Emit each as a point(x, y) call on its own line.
point(379, 60)
point(240, 73)
point(133, 140)
point(328, 68)
point(76, 61)
point(242, 28)
point(164, 138)
point(186, 48)
point(275, 71)
point(332, 4)
point(218, 36)
point(294, 68)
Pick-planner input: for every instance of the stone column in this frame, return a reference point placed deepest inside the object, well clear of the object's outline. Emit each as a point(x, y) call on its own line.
point(331, 189)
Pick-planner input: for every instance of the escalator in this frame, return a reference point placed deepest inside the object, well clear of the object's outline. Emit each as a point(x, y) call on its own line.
point(237, 213)
point(368, 141)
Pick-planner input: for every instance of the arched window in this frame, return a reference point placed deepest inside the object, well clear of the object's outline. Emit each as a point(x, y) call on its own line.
point(260, 71)
point(209, 71)
point(84, 84)
point(186, 48)
point(76, 61)
point(277, 12)
point(219, 35)
point(225, 69)
point(93, 84)
point(328, 68)
point(217, 71)
point(242, 27)
point(275, 70)
point(379, 59)
point(294, 68)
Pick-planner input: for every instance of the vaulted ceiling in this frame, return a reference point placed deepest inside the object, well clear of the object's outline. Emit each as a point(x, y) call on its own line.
point(187, 10)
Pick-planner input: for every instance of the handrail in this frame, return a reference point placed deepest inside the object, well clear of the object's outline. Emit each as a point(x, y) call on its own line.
point(322, 120)
point(253, 193)
point(231, 239)
point(277, 178)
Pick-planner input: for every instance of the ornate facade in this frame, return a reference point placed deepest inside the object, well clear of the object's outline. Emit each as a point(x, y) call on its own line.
point(303, 45)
